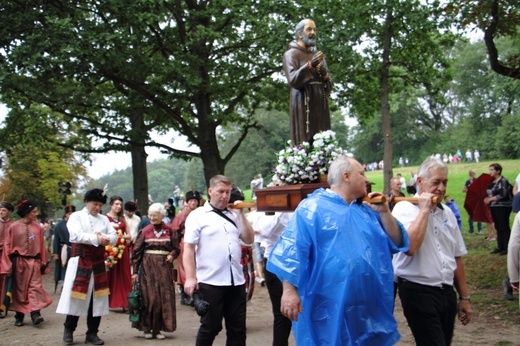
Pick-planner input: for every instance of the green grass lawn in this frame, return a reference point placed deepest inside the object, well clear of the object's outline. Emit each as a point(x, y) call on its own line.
point(457, 177)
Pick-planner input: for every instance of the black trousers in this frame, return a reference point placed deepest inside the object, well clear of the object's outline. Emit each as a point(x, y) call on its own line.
point(228, 302)
point(71, 322)
point(281, 324)
point(501, 220)
point(430, 312)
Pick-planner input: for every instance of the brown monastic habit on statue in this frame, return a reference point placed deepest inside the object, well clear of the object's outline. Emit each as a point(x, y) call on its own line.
point(307, 75)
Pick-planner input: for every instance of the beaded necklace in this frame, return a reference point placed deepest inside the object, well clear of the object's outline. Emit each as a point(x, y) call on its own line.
point(115, 218)
point(159, 232)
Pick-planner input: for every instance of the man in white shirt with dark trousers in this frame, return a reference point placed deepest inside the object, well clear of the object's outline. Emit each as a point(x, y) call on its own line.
point(212, 252)
point(429, 271)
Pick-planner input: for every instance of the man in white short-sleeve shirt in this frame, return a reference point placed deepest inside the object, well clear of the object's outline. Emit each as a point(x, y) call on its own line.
point(429, 271)
point(212, 252)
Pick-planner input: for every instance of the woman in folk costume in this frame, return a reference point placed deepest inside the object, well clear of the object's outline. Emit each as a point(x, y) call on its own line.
point(156, 247)
point(25, 257)
point(192, 202)
point(119, 276)
point(85, 288)
point(6, 209)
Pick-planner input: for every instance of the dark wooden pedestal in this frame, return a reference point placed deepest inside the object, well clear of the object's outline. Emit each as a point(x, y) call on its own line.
point(284, 198)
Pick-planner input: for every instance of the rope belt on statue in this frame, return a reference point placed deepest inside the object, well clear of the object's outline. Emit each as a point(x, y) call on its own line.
point(326, 94)
point(307, 110)
point(157, 252)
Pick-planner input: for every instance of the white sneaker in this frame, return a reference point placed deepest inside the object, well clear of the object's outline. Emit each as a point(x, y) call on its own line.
point(159, 336)
point(260, 281)
point(148, 335)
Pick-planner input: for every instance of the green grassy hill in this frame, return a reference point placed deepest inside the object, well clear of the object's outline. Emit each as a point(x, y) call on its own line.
point(458, 174)
point(484, 271)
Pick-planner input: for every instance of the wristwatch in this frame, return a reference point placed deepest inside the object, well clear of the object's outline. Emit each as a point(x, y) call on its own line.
point(465, 298)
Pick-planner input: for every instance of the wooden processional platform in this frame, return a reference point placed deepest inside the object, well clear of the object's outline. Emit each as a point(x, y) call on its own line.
point(284, 198)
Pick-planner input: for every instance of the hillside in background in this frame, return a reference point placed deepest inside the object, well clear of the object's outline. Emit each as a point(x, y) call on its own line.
point(458, 174)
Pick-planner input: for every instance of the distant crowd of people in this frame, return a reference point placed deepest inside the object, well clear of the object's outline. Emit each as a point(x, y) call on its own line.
point(469, 156)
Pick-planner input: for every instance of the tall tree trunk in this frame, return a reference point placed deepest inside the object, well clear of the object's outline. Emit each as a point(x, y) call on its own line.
point(207, 133)
point(209, 152)
point(385, 106)
point(213, 165)
point(139, 155)
point(140, 176)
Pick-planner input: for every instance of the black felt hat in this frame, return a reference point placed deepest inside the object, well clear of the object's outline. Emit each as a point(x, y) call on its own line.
point(95, 195)
point(192, 195)
point(130, 206)
point(236, 195)
point(25, 207)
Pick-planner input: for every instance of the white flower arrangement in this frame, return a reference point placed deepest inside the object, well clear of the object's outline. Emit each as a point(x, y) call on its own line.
point(303, 164)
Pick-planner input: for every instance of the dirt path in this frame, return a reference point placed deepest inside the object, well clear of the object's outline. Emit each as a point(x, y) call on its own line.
point(115, 328)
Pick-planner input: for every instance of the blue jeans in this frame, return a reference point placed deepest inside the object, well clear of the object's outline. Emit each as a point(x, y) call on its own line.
point(470, 223)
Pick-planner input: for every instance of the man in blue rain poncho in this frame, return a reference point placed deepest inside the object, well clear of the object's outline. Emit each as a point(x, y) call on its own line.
point(334, 259)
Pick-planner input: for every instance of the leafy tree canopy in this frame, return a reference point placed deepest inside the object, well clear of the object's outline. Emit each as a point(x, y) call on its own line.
point(497, 18)
point(188, 66)
point(34, 167)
